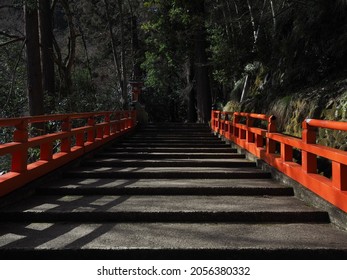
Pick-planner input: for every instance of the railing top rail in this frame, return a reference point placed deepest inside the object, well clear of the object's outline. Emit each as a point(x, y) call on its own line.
point(56, 117)
point(252, 115)
point(336, 125)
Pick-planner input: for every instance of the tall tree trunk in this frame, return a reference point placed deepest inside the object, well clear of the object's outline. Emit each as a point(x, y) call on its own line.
point(35, 91)
point(65, 65)
point(124, 84)
point(238, 16)
point(47, 56)
point(135, 45)
point(192, 114)
point(202, 79)
point(113, 44)
point(252, 21)
point(273, 16)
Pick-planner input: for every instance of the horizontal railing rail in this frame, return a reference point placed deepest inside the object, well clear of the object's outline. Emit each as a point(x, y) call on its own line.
point(276, 149)
point(74, 135)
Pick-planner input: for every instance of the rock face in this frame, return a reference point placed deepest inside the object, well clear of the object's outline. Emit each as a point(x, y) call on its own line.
point(291, 108)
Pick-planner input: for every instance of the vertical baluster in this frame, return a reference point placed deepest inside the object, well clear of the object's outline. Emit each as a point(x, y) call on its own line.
point(250, 135)
point(107, 129)
point(271, 128)
point(339, 178)
point(91, 132)
point(235, 122)
point(20, 157)
point(66, 141)
point(309, 160)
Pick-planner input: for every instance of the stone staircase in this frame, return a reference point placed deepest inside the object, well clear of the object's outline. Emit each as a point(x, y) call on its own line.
point(168, 191)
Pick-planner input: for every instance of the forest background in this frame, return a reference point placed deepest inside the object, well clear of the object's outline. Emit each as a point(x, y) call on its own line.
point(281, 57)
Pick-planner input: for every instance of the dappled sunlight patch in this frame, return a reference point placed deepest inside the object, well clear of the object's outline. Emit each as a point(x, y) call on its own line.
point(9, 238)
point(39, 226)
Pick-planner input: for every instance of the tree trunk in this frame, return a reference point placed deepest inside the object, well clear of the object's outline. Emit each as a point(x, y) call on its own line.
point(238, 17)
point(34, 73)
point(47, 55)
point(202, 79)
point(65, 65)
point(137, 72)
point(124, 84)
point(192, 116)
point(252, 22)
point(273, 16)
point(113, 44)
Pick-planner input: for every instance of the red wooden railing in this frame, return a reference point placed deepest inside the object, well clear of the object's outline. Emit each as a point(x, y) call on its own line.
point(74, 136)
point(241, 128)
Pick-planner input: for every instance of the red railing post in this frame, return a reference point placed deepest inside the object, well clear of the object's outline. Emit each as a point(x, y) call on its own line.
point(235, 122)
point(212, 120)
point(228, 127)
point(99, 131)
point(66, 141)
point(91, 132)
point(117, 119)
point(218, 121)
point(309, 160)
point(107, 129)
point(46, 151)
point(20, 157)
point(271, 128)
point(250, 135)
point(286, 152)
point(339, 176)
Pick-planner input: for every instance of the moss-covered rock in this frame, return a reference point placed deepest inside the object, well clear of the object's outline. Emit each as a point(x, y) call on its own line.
point(328, 102)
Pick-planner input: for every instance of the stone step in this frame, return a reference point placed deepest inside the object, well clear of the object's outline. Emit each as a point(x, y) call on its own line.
point(169, 150)
point(176, 124)
point(189, 208)
point(163, 139)
point(171, 200)
point(131, 145)
point(163, 155)
point(175, 128)
point(168, 173)
point(111, 162)
point(242, 187)
point(171, 241)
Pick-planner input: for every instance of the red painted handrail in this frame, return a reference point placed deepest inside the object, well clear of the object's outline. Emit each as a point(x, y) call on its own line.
point(97, 128)
point(262, 143)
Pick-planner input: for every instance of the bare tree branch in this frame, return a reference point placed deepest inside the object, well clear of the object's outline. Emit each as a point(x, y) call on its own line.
point(12, 41)
point(14, 75)
point(12, 36)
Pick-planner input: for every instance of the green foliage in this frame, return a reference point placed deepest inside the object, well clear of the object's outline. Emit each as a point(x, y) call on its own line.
point(166, 52)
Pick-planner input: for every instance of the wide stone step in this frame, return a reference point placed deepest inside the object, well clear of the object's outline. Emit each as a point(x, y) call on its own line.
point(168, 173)
point(176, 125)
point(171, 241)
point(130, 145)
point(173, 139)
point(245, 209)
point(163, 155)
point(174, 133)
point(169, 150)
point(77, 186)
point(110, 162)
